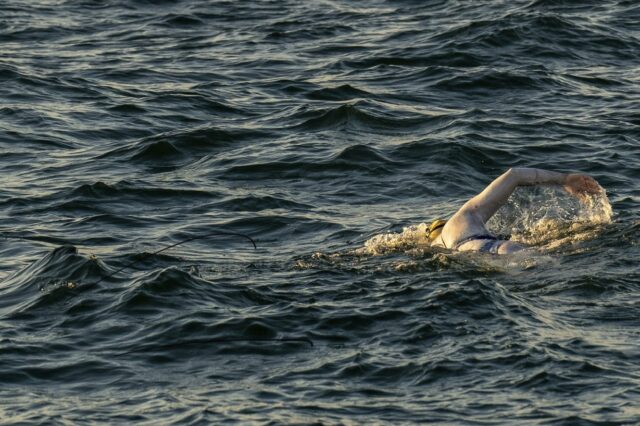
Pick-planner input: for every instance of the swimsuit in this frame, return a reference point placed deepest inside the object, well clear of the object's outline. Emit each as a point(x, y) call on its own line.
point(491, 246)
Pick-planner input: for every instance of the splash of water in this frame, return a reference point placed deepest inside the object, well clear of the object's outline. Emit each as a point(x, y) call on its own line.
point(543, 217)
point(548, 218)
point(411, 238)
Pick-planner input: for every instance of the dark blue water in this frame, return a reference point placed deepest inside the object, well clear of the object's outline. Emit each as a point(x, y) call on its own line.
point(329, 132)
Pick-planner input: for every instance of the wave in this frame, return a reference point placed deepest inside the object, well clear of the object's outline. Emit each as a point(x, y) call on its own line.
point(538, 35)
point(176, 146)
point(45, 283)
point(64, 282)
point(448, 157)
point(260, 203)
point(492, 80)
point(119, 195)
point(344, 92)
point(358, 116)
point(128, 109)
point(296, 30)
point(516, 35)
point(101, 190)
point(449, 58)
point(197, 104)
point(283, 226)
point(359, 158)
point(180, 21)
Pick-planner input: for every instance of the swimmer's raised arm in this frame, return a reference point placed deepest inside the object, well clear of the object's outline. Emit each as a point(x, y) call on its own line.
point(485, 204)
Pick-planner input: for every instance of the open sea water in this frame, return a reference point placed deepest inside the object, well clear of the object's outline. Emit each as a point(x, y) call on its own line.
point(330, 132)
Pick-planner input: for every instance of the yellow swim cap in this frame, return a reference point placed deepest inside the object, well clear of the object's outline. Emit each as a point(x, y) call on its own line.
point(435, 229)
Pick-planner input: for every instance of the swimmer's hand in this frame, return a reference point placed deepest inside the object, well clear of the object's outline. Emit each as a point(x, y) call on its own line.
point(581, 185)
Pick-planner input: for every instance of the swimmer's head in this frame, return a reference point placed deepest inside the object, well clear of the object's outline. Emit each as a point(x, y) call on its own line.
point(435, 229)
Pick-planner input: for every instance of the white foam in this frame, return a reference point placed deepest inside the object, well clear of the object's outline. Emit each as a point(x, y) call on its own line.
point(549, 218)
point(411, 237)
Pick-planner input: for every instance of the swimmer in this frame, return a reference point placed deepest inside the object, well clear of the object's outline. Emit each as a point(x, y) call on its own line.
point(466, 230)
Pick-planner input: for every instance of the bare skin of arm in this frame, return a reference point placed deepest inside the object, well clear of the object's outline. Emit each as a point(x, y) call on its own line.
point(471, 218)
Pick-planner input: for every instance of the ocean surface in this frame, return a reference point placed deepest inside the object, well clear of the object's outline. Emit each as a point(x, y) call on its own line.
point(331, 133)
